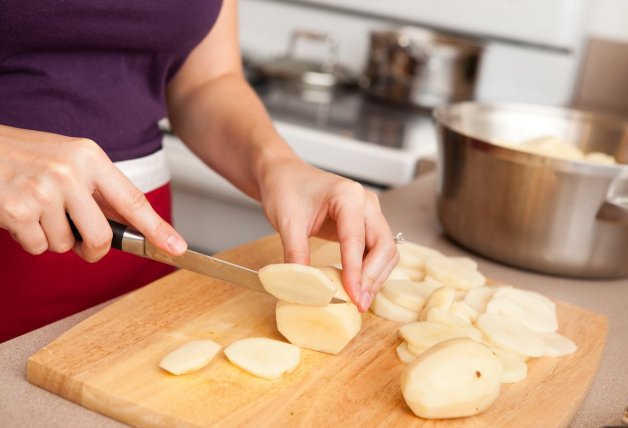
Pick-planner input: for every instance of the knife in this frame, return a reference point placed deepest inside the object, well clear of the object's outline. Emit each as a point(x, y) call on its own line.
point(131, 241)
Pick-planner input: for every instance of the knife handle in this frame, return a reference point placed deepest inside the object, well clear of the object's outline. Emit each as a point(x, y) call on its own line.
point(118, 230)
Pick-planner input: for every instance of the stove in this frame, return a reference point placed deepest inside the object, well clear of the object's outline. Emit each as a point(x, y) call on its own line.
point(351, 134)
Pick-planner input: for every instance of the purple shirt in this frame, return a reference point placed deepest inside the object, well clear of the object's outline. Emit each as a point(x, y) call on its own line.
point(96, 68)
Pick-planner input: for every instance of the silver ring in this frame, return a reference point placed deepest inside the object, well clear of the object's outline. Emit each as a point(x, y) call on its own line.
point(399, 238)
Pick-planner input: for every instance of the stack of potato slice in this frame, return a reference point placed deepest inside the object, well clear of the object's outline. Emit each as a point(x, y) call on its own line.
point(451, 318)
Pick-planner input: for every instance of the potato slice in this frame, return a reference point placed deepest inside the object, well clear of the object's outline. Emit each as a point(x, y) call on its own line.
point(557, 345)
point(319, 328)
point(190, 357)
point(399, 273)
point(263, 357)
point(413, 274)
point(442, 298)
point(463, 311)
point(297, 283)
point(465, 261)
point(383, 307)
point(409, 294)
point(423, 335)
point(405, 355)
point(514, 368)
point(413, 256)
point(507, 334)
point(504, 306)
point(432, 282)
point(456, 378)
point(477, 298)
point(453, 274)
point(533, 310)
point(599, 157)
point(441, 316)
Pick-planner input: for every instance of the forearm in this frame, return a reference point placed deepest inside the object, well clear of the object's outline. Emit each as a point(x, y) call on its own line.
point(225, 124)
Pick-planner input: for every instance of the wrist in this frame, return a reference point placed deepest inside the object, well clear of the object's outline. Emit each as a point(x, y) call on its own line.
point(270, 150)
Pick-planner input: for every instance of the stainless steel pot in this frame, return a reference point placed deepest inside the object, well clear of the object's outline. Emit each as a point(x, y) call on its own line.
point(420, 67)
point(320, 73)
point(532, 211)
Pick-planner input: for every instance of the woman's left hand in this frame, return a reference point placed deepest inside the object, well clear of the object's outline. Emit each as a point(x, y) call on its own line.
point(302, 201)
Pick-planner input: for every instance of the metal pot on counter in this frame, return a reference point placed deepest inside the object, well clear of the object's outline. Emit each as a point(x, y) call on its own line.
point(412, 66)
point(546, 214)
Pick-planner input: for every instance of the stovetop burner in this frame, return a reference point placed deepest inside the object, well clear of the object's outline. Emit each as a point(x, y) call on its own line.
point(346, 113)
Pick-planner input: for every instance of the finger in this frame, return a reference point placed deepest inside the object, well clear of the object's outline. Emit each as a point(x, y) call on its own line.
point(351, 236)
point(381, 250)
point(378, 264)
point(55, 226)
point(296, 247)
point(31, 237)
point(131, 203)
point(382, 255)
point(91, 223)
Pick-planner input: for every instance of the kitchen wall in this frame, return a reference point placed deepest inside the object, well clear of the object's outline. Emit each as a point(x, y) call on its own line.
point(603, 81)
point(541, 67)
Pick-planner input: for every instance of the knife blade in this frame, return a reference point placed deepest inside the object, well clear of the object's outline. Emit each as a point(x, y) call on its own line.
point(133, 242)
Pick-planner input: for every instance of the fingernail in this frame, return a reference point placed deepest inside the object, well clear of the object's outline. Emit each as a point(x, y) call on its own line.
point(366, 300)
point(176, 244)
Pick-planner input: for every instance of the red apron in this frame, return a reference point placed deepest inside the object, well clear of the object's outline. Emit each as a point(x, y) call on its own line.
point(37, 290)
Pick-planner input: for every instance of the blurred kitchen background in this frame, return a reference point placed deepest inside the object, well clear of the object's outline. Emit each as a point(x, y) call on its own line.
point(554, 52)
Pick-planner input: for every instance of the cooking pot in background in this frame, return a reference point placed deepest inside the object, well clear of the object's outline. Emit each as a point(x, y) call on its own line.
point(295, 77)
point(325, 72)
point(546, 214)
point(419, 67)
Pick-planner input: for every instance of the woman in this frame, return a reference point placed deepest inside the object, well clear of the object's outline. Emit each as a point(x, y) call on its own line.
point(82, 84)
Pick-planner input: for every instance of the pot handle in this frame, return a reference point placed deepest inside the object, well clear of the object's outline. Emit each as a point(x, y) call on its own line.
point(614, 209)
point(330, 40)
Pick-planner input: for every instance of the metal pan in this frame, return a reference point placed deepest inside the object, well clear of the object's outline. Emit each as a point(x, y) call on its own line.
point(545, 214)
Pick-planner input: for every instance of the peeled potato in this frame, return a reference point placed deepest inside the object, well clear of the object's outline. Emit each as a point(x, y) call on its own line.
point(557, 345)
point(507, 334)
point(432, 282)
point(398, 273)
point(320, 328)
point(599, 157)
point(409, 294)
point(263, 357)
point(190, 357)
point(423, 334)
point(297, 283)
point(383, 307)
point(463, 311)
point(441, 316)
point(456, 378)
point(413, 255)
point(412, 274)
point(442, 298)
point(514, 367)
point(466, 262)
point(477, 298)
point(453, 273)
point(405, 355)
point(533, 310)
point(552, 146)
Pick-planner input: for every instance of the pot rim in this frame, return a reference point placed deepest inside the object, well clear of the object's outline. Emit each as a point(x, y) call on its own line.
point(440, 116)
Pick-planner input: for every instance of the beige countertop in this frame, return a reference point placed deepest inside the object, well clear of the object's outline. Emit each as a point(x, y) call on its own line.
point(410, 209)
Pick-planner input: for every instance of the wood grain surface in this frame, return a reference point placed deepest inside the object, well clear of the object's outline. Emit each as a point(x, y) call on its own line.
point(109, 363)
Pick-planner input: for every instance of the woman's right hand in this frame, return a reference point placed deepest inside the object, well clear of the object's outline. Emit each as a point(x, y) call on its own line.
point(44, 175)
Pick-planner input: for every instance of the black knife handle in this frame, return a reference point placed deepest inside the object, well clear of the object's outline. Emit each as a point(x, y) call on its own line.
point(118, 230)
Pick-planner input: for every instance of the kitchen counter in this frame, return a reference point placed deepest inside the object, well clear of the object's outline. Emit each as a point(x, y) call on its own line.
point(410, 209)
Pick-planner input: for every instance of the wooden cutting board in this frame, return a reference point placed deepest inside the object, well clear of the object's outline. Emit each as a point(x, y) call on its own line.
point(109, 363)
